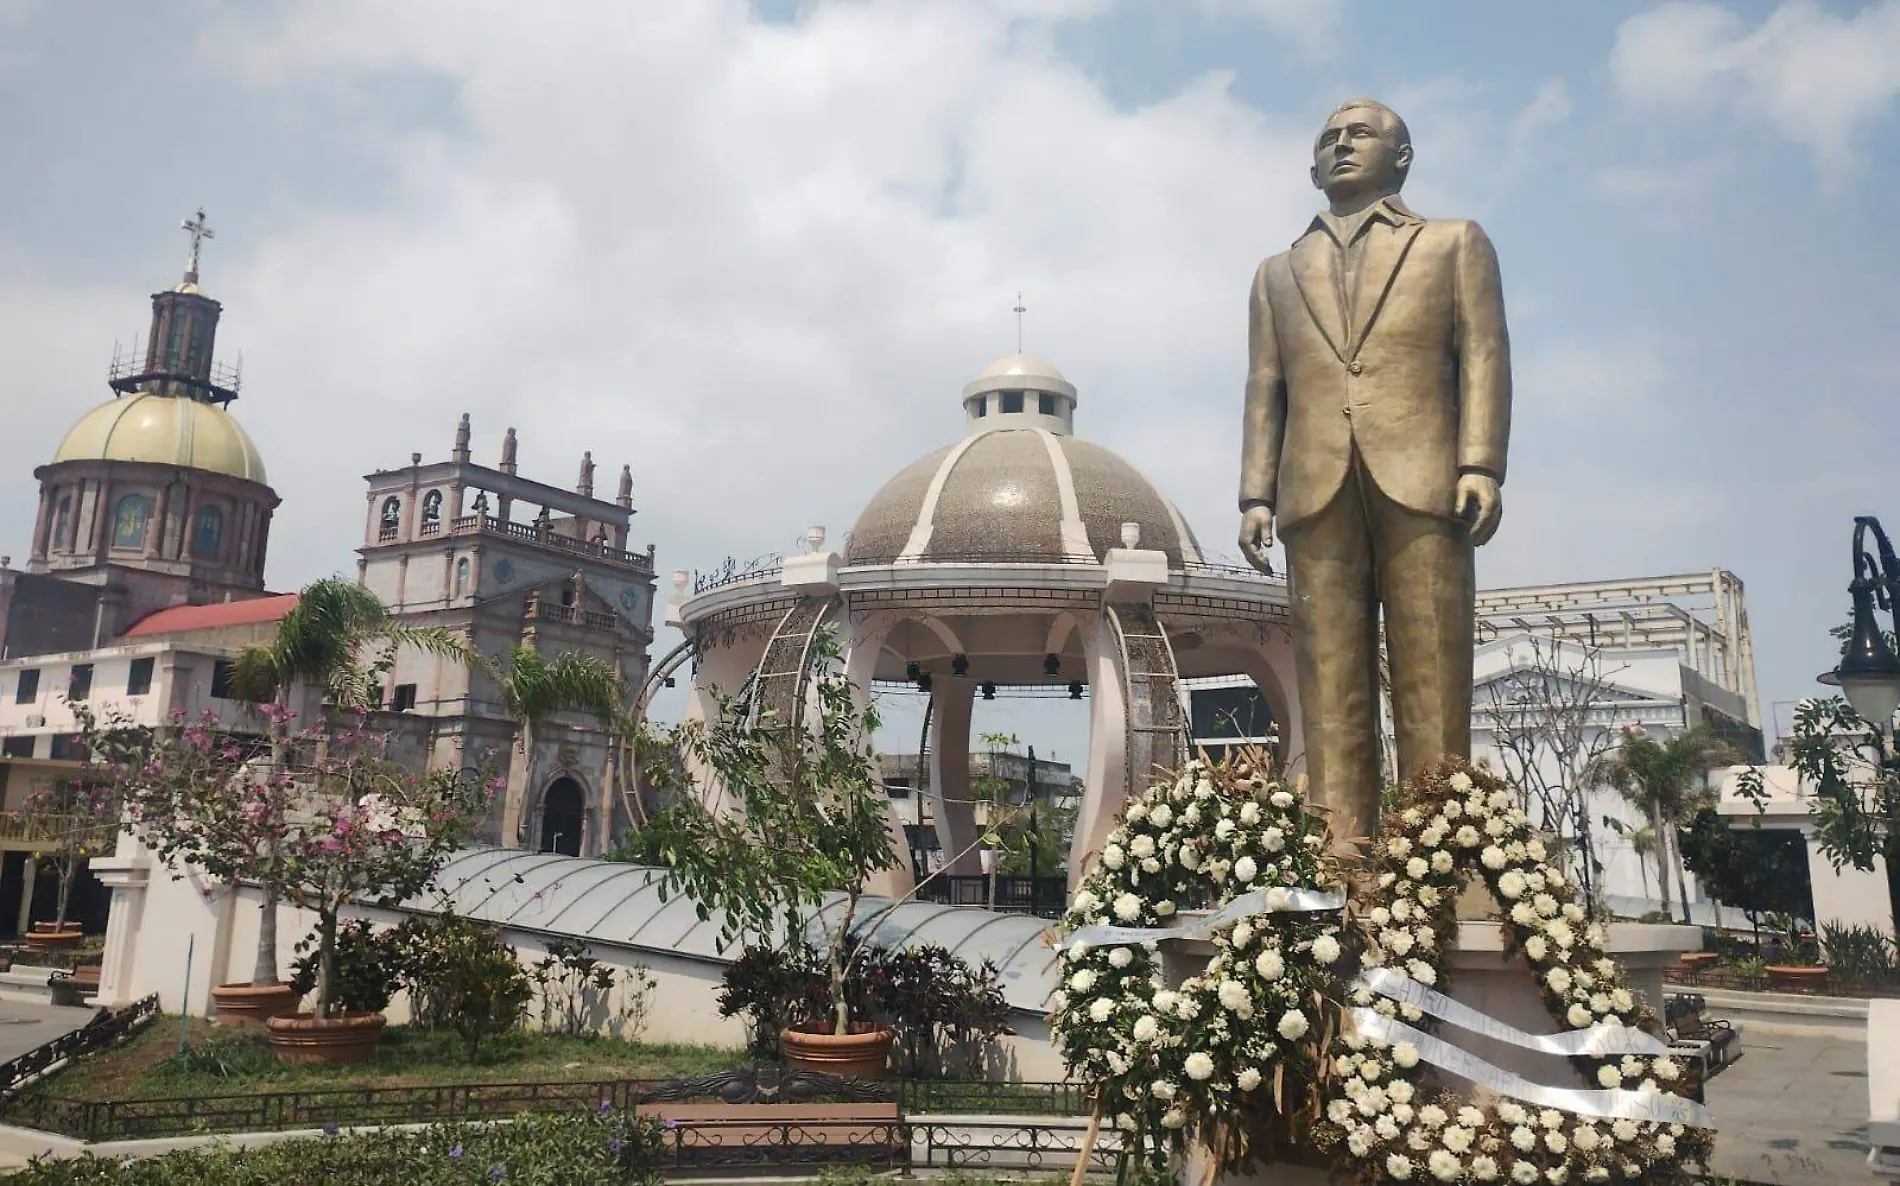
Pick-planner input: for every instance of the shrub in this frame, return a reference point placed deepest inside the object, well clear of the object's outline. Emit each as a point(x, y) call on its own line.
point(577, 992)
point(369, 965)
point(771, 989)
point(462, 976)
point(226, 1053)
point(576, 1149)
point(1857, 953)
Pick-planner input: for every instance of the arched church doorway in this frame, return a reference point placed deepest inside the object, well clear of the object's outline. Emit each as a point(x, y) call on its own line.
point(563, 818)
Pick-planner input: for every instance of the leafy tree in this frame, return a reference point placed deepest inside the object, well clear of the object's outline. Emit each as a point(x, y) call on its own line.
point(341, 639)
point(79, 816)
point(1665, 781)
point(1756, 870)
point(790, 811)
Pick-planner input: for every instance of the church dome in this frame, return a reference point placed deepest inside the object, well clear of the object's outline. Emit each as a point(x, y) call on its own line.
point(1018, 488)
point(164, 430)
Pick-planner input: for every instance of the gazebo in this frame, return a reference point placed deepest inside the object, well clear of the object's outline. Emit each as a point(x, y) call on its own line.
point(1019, 555)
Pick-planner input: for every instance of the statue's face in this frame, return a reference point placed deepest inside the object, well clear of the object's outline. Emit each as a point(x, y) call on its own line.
point(1358, 152)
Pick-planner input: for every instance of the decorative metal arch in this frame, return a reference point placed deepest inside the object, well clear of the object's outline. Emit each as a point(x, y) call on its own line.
point(1157, 729)
point(783, 672)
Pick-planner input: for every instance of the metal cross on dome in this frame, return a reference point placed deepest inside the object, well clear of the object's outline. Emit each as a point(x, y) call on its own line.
point(200, 230)
point(1019, 310)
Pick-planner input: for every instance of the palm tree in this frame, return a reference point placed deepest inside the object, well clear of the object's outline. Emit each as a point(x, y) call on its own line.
point(1664, 781)
point(341, 638)
point(1643, 844)
point(534, 688)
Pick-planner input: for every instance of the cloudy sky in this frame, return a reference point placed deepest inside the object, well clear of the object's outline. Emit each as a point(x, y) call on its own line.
point(755, 250)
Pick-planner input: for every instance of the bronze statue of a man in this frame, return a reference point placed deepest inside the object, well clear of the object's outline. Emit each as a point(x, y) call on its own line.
point(1378, 410)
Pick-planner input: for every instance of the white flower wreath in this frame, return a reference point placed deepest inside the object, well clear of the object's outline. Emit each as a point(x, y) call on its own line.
point(1222, 1053)
point(1454, 821)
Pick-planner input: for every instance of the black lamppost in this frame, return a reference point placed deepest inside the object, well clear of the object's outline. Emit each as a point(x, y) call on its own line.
point(1869, 672)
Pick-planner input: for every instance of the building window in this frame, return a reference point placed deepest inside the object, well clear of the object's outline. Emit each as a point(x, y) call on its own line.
point(405, 698)
point(980, 406)
point(79, 686)
point(29, 689)
point(1012, 401)
point(221, 680)
point(1045, 403)
point(392, 514)
point(139, 682)
point(432, 507)
point(206, 535)
point(129, 519)
point(62, 518)
point(461, 576)
point(68, 747)
point(17, 747)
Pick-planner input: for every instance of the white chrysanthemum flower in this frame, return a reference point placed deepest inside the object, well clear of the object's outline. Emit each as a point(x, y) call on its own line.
point(1433, 836)
point(1441, 862)
point(1380, 916)
point(1523, 915)
point(1578, 1016)
point(1121, 957)
point(1282, 799)
point(1398, 846)
point(1146, 1027)
point(1189, 856)
point(1399, 1166)
point(1523, 1138)
point(1536, 948)
point(1665, 1144)
point(1432, 1116)
point(1405, 1054)
point(1136, 812)
point(1248, 1079)
point(1386, 1127)
point(1142, 846)
point(1128, 907)
point(1224, 828)
point(1174, 1118)
point(1495, 827)
point(1409, 1011)
point(1621, 1000)
point(1161, 815)
point(1624, 1130)
point(1558, 979)
point(1428, 895)
point(1401, 1091)
point(1416, 868)
point(1422, 972)
point(1560, 932)
point(1270, 964)
point(1459, 781)
point(1199, 1066)
point(1444, 1166)
point(1083, 980)
point(1524, 1173)
point(1058, 1001)
point(1245, 869)
point(1357, 1144)
point(1586, 1139)
point(1609, 1076)
point(1114, 857)
point(1545, 905)
point(1665, 1068)
point(1484, 1168)
point(1278, 899)
point(1163, 1089)
point(1293, 1025)
point(1273, 839)
point(1556, 1142)
point(1164, 1000)
point(1512, 1112)
point(1572, 913)
point(1325, 949)
point(1511, 884)
point(1466, 836)
point(1250, 814)
point(1151, 865)
point(1396, 942)
point(1164, 908)
point(1233, 995)
point(1243, 933)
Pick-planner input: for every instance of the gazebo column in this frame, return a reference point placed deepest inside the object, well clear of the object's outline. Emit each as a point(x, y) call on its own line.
point(950, 800)
point(860, 667)
point(1106, 788)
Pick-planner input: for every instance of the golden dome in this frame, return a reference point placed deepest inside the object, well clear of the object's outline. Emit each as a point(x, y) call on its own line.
point(164, 430)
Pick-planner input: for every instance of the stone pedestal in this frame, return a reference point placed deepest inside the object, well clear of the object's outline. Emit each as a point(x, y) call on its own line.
point(1479, 976)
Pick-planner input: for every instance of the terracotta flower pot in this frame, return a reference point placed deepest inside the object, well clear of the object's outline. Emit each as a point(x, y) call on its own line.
point(253, 1004)
point(303, 1037)
point(43, 936)
point(1796, 976)
point(864, 1053)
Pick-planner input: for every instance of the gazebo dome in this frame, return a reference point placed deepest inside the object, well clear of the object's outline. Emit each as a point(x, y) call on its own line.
point(166, 430)
point(1018, 488)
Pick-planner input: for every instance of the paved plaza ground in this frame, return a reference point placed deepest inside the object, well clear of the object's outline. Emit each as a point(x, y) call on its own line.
point(1793, 1112)
point(24, 1026)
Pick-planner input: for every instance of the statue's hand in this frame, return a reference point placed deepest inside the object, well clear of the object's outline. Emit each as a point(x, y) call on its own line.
point(1480, 505)
point(1256, 536)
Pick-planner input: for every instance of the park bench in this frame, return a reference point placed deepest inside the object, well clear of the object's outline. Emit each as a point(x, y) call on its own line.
point(1715, 1044)
point(77, 986)
point(775, 1118)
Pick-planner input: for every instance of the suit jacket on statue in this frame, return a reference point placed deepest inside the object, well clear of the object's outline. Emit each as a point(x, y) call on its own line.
point(1414, 367)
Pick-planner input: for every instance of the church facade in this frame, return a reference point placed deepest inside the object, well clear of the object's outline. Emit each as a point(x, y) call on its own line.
point(145, 576)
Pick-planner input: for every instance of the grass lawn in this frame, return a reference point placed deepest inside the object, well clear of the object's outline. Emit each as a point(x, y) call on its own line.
point(227, 1061)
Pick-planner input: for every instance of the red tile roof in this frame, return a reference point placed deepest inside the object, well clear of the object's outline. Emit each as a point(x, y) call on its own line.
point(180, 618)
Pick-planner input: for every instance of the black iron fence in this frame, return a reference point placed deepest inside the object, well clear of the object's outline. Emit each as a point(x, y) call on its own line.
point(1044, 897)
point(277, 1111)
point(108, 1028)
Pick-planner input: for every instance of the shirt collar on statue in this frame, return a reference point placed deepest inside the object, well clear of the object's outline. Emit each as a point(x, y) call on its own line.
point(1390, 210)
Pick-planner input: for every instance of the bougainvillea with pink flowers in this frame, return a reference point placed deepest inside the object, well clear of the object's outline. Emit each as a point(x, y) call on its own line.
point(340, 821)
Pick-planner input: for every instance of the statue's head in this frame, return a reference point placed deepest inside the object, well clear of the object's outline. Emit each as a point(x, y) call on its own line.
point(1364, 149)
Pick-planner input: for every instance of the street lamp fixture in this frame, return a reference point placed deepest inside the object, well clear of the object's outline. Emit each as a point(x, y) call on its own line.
point(1075, 690)
point(988, 689)
point(959, 665)
point(1051, 665)
point(1869, 671)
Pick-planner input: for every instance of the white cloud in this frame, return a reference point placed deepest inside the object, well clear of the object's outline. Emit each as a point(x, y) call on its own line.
point(1549, 107)
point(756, 260)
point(1816, 77)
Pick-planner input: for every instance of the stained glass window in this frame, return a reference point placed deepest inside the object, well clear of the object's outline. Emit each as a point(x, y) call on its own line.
point(205, 538)
point(129, 519)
